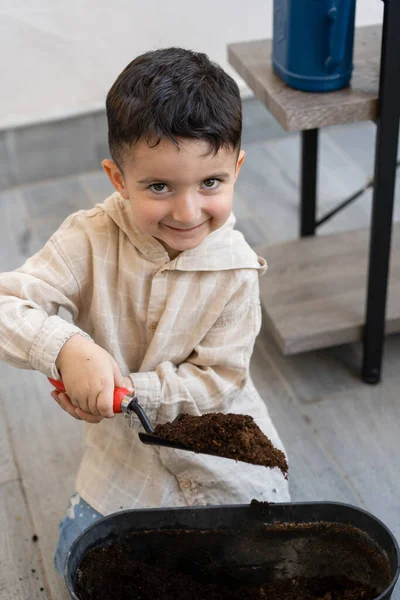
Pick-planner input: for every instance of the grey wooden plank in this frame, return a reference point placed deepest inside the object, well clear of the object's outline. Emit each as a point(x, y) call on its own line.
point(362, 429)
point(59, 197)
point(241, 209)
point(358, 141)
point(312, 375)
point(99, 135)
point(21, 576)
point(31, 214)
point(47, 444)
point(97, 186)
point(258, 123)
point(270, 182)
point(296, 110)
point(314, 295)
point(8, 468)
point(14, 230)
point(48, 204)
point(7, 161)
point(252, 231)
point(313, 473)
point(391, 363)
point(54, 149)
point(338, 177)
point(316, 374)
point(270, 195)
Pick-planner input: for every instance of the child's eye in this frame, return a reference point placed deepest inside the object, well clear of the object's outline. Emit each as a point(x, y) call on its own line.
point(158, 188)
point(211, 184)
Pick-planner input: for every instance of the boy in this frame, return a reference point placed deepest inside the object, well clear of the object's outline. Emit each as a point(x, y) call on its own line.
point(163, 294)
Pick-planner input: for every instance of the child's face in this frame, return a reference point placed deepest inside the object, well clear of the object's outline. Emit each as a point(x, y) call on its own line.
point(178, 194)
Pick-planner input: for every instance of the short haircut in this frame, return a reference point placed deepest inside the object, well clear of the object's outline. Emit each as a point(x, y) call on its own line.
point(172, 93)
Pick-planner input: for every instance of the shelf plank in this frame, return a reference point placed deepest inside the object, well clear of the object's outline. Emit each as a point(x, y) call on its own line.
point(296, 110)
point(313, 294)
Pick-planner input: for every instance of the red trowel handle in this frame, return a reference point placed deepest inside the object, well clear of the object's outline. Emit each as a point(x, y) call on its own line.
point(119, 393)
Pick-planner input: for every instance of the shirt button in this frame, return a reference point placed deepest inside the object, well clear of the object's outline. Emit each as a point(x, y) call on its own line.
point(186, 483)
point(153, 326)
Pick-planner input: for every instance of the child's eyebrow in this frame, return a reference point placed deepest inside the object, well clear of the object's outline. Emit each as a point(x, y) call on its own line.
point(147, 180)
point(222, 175)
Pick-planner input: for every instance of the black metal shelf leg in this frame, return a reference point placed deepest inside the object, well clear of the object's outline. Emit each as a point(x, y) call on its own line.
point(309, 178)
point(383, 197)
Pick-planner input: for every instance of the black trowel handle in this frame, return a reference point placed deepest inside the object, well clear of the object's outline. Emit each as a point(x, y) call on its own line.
point(129, 405)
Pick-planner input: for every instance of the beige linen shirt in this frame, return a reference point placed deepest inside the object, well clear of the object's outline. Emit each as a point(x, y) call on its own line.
point(184, 331)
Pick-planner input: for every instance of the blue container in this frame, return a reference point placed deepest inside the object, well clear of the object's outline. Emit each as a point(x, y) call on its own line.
point(313, 43)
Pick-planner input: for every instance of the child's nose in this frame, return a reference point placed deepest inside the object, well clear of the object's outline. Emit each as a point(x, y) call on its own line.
point(186, 210)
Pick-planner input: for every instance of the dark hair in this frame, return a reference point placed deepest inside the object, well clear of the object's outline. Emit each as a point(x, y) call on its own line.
point(171, 93)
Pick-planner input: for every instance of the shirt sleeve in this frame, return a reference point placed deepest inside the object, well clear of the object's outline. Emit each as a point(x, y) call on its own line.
point(217, 369)
point(31, 332)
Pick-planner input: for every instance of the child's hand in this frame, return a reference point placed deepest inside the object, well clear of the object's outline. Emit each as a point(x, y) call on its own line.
point(62, 400)
point(89, 375)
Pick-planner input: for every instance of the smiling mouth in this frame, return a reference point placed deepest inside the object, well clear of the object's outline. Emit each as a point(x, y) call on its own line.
point(181, 230)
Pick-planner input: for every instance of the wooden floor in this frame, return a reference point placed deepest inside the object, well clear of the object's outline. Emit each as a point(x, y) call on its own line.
point(342, 436)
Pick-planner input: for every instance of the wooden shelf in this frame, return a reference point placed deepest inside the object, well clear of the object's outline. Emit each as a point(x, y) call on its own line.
point(313, 294)
point(297, 111)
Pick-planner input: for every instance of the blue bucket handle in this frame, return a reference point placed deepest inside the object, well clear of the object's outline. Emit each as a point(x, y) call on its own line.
point(339, 21)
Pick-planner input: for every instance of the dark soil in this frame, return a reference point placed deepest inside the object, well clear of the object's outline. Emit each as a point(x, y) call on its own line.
point(226, 435)
point(105, 573)
point(316, 561)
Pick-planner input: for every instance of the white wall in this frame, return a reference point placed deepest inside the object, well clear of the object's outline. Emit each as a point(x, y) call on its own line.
point(60, 57)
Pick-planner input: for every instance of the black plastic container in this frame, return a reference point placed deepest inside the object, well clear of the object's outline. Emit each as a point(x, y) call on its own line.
point(247, 545)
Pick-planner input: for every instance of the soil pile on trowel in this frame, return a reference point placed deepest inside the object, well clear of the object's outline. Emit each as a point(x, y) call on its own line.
point(226, 435)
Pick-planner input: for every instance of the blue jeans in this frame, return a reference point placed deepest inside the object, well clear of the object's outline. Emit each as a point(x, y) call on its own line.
point(79, 516)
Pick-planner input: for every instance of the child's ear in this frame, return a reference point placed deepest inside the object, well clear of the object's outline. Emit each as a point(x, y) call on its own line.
point(115, 176)
point(240, 161)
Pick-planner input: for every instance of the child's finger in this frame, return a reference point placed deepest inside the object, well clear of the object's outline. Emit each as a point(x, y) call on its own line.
point(119, 379)
point(105, 400)
point(92, 404)
point(84, 416)
point(65, 403)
